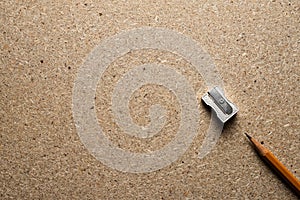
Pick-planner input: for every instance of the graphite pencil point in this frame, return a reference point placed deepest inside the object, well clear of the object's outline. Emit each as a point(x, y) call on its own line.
point(248, 136)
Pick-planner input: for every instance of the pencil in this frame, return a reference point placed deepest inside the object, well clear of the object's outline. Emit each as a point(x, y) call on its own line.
point(273, 162)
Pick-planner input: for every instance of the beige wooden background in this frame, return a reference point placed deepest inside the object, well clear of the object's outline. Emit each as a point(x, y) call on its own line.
point(255, 46)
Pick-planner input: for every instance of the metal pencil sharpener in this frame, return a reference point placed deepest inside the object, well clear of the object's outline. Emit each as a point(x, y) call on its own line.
point(220, 104)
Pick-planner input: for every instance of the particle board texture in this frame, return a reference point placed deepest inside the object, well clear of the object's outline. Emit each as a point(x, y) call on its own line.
point(255, 48)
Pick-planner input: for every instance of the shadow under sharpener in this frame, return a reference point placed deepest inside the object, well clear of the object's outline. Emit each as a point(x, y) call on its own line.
point(223, 108)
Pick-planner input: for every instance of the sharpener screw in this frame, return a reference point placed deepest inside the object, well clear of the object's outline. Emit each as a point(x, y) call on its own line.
point(221, 101)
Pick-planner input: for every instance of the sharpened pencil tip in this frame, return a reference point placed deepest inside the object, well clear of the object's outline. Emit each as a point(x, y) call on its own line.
point(248, 136)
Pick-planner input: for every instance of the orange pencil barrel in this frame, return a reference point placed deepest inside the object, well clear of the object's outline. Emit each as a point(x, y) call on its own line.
point(283, 171)
point(276, 165)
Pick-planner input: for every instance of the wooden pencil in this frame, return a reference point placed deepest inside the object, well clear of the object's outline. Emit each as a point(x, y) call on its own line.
point(273, 162)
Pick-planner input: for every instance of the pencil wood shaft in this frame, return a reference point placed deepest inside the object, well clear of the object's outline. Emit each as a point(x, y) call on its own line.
point(276, 165)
